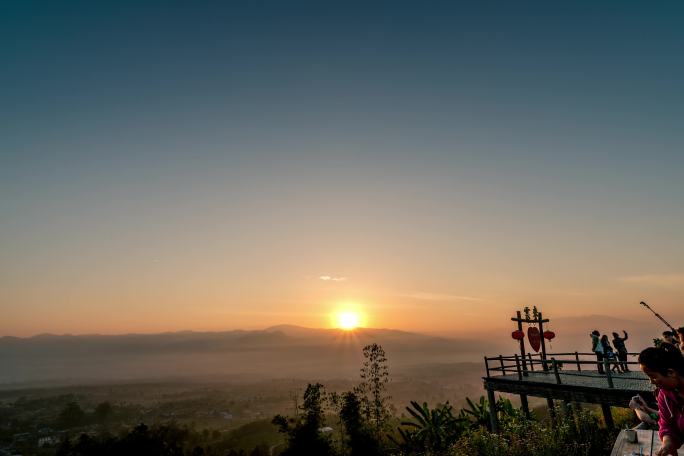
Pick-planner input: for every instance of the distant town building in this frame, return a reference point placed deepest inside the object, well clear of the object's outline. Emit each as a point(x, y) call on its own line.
point(47, 441)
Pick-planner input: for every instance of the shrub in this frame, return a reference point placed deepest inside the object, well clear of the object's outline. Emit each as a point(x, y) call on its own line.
point(576, 434)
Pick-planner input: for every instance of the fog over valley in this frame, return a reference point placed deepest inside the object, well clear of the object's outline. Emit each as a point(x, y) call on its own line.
point(277, 352)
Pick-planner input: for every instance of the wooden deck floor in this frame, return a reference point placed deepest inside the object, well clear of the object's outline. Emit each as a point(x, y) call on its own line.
point(648, 444)
point(586, 386)
point(635, 380)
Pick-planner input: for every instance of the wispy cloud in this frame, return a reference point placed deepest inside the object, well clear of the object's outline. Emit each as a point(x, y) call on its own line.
point(426, 296)
point(659, 280)
point(327, 278)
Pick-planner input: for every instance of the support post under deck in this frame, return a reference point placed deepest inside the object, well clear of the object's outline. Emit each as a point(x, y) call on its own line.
point(552, 408)
point(525, 405)
point(607, 416)
point(492, 411)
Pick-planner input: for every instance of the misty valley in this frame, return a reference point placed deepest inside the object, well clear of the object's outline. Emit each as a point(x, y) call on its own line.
point(225, 387)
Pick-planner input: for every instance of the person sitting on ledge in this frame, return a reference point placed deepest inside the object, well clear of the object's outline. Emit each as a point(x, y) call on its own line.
point(664, 366)
point(648, 416)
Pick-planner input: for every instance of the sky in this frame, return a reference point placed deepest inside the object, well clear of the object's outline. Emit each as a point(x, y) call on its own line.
point(433, 165)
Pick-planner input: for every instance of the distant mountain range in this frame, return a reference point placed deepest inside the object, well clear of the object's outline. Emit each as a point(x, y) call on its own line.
point(284, 351)
point(279, 351)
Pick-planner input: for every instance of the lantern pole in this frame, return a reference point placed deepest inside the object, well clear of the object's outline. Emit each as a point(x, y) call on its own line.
point(543, 345)
point(522, 345)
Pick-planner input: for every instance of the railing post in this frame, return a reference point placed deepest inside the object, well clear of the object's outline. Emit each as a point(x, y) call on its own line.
point(531, 362)
point(503, 368)
point(522, 342)
point(487, 366)
point(541, 334)
point(606, 368)
point(579, 366)
point(555, 370)
point(517, 366)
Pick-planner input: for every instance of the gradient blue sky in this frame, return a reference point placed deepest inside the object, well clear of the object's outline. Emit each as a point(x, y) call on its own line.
point(201, 165)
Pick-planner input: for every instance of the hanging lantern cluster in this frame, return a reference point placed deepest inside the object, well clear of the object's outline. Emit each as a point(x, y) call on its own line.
point(520, 335)
point(534, 336)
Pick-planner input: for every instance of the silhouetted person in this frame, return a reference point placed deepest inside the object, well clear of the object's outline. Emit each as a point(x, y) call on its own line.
point(669, 337)
point(680, 335)
point(619, 344)
point(609, 354)
point(597, 348)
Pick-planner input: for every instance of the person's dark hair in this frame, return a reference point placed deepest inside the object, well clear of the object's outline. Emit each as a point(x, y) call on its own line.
point(660, 359)
point(616, 335)
point(595, 332)
point(604, 338)
point(668, 333)
point(680, 330)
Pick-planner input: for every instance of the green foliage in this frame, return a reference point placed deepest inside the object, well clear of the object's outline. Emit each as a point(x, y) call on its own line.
point(478, 412)
point(304, 436)
point(360, 439)
point(161, 440)
point(363, 413)
point(374, 379)
point(575, 434)
point(71, 416)
point(249, 436)
point(437, 431)
point(431, 431)
point(103, 413)
point(623, 418)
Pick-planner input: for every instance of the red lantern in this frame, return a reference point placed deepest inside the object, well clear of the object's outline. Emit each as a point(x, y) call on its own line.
point(518, 335)
point(534, 337)
point(548, 335)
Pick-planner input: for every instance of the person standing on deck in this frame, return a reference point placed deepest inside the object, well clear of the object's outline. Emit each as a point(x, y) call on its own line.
point(664, 366)
point(680, 334)
point(609, 354)
point(619, 344)
point(597, 348)
point(670, 337)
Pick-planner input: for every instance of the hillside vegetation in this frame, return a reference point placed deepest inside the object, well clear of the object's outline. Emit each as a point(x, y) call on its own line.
point(363, 421)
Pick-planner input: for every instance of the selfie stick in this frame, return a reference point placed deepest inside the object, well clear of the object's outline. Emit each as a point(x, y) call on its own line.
point(659, 317)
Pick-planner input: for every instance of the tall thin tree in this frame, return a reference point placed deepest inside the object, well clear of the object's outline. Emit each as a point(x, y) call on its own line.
point(372, 389)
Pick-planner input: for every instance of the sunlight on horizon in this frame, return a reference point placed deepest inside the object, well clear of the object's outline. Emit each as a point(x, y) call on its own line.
point(348, 320)
point(347, 317)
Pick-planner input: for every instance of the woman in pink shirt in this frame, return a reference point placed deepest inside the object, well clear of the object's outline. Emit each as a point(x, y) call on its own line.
point(664, 366)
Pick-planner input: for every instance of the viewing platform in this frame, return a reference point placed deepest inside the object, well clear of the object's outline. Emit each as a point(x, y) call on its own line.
point(567, 377)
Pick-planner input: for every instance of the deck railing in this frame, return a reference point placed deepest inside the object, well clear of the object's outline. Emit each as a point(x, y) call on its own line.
point(558, 364)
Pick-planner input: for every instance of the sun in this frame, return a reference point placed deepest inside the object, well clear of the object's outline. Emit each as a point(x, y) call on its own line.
point(348, 320)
